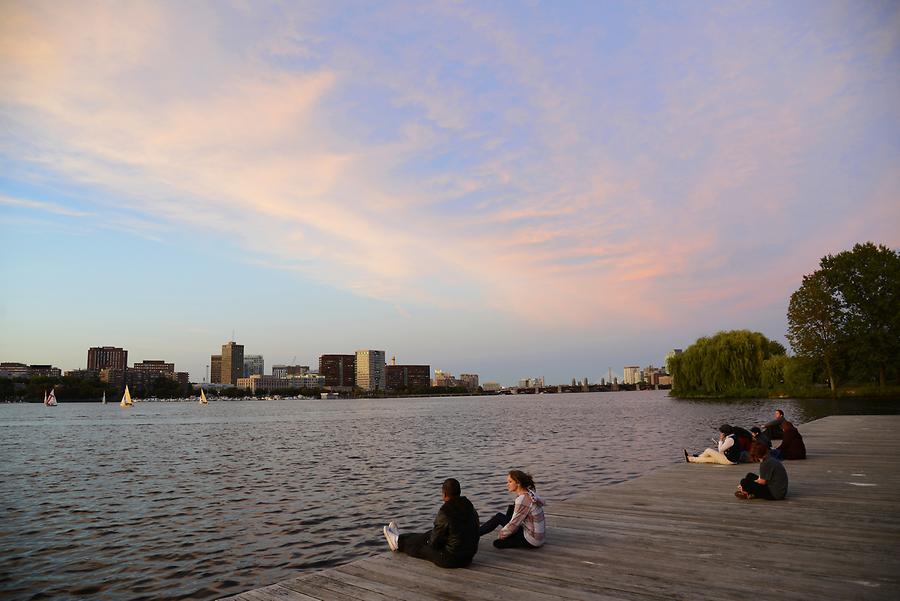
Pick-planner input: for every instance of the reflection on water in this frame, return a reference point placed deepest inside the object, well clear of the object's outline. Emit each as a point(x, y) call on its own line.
point(181, 501)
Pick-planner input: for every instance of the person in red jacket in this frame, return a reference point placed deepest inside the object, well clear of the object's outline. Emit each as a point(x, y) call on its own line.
point(792, 445)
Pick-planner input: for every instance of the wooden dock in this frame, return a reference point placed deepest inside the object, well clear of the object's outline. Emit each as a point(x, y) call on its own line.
point(679, 533)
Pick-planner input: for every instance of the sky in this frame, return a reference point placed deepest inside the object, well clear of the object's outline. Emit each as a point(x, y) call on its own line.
point(513, 189)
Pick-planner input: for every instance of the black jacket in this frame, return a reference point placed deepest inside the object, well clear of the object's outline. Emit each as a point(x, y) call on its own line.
point(455, 531)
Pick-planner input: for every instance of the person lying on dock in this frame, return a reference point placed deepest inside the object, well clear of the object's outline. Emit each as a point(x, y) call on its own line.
point(453, 541)
point(772, 482)
point(727, 451)
point(792, 445)
point(773, 428)
point(523, 523)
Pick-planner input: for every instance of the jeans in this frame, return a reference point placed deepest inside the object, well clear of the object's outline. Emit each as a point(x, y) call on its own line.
point(514, 540)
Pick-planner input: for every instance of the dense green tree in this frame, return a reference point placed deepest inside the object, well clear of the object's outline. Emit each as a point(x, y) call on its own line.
point(729, 363)
point(816, 323)
point(866, 283)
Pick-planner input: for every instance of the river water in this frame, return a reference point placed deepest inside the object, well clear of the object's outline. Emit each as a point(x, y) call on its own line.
point(182, 501)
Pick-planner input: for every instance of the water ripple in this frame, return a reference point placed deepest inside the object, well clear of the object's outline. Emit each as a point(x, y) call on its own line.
point(173, 500)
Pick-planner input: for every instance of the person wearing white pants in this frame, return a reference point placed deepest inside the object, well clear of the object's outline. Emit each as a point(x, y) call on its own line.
point(728, 451)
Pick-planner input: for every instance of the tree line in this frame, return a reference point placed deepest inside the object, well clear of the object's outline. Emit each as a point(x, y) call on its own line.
point(843, 326)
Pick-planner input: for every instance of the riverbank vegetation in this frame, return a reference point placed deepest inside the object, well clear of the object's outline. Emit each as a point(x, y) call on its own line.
point(844, 329)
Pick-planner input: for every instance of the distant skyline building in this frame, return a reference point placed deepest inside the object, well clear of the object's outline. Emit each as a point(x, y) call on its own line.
point(470, 381)
point(254, 365)
point(232, 362)
point(400, 377)
point(21, 370)
point(101, 357)
point(284, 371)
point(215, 369)
point(531, 382)
point(338, 370)
point(631, 375)
point(370, 369)
point(443, 379)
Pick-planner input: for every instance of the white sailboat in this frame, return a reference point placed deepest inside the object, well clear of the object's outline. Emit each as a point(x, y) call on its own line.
point(50, 401)
point(126, 398)
point(103, 402)
point(203, 400)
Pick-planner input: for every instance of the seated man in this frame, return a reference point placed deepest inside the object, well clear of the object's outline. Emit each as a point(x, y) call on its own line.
point(453, 541)
point(773, 428)
point(772, 482)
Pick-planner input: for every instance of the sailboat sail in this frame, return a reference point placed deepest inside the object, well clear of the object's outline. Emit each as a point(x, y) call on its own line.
point(203, 400)
point(104, 398)
point(51, 400)
point(126, 398)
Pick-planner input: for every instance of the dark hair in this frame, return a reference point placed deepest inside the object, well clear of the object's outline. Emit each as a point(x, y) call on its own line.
point(726, 429)
point(780, 411)
point(758, 452)
point(450, 487)
point(522, 479)
point(755, 430)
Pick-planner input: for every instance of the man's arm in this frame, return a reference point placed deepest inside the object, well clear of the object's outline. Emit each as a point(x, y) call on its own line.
point(441, 531)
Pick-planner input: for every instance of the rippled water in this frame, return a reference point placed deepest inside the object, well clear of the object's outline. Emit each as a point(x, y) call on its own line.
point(181, 501)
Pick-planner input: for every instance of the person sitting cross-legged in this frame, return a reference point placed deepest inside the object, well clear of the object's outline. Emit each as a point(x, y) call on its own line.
point(772, 482)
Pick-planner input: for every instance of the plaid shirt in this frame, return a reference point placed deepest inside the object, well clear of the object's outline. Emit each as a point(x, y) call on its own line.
point(529, 513)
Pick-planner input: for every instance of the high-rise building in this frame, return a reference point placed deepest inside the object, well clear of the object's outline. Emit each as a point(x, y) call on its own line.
point(215, 369)
point(338, 370)
point(370, 369)
point(232, 362)
point(407, 377)
point(101, 357)
point(632, 374)
point(254, 365)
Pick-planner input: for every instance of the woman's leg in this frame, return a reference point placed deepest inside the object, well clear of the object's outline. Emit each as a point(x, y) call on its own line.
point(514, 540)
point(489, 526)
point(710, 456)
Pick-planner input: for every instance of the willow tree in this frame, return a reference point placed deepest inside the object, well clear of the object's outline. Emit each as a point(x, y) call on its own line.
point(729, 363)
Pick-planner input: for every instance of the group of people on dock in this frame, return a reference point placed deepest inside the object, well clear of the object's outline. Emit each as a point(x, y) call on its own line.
point(453, 541)
point(737, 445)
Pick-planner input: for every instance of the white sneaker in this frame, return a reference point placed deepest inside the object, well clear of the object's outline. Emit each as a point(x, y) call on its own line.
point(392, 534)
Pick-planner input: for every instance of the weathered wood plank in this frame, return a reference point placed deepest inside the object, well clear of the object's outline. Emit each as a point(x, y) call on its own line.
point(679, 533)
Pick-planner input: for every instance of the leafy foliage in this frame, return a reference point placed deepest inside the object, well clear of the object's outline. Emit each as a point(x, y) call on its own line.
point(846, 315)
point(729, 363)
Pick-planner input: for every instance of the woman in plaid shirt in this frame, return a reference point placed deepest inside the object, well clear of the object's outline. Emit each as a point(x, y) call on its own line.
point(523, 523)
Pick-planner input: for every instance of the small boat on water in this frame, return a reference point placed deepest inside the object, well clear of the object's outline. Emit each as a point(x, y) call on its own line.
point(50, 400)
point(126, 399)
point(203, 400)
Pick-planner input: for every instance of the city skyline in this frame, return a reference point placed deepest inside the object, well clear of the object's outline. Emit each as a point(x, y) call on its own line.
point(513, 190)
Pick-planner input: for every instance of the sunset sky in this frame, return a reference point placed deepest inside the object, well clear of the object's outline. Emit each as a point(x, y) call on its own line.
point(513, 189)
